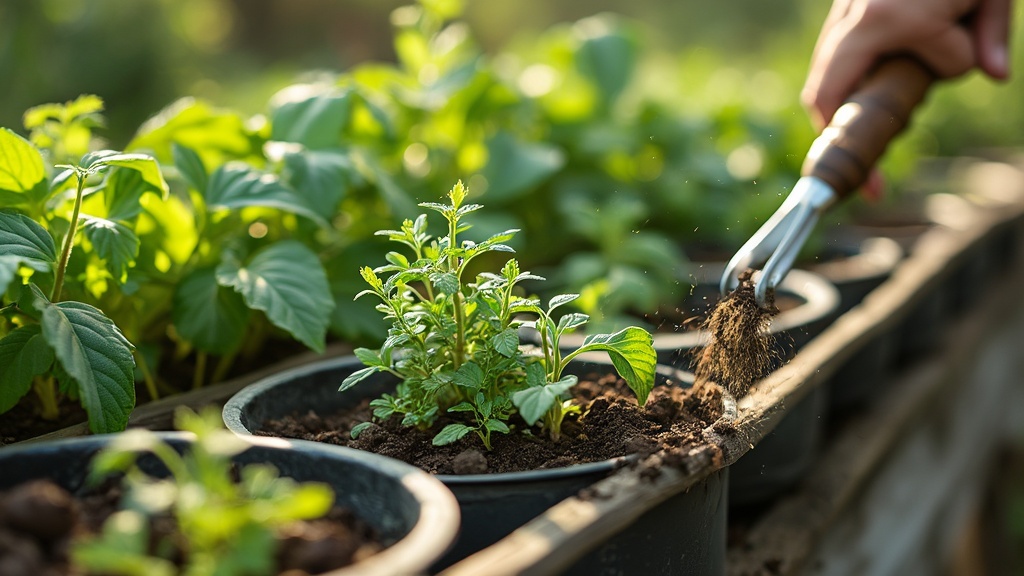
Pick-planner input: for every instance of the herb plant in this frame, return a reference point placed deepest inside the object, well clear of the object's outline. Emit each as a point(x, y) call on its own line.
point(52, 342)
point(454, 343)
point(227, 524)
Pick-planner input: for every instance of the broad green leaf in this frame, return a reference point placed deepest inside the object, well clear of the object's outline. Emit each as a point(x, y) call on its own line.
point(632, 353)
point(209, 316)
point(237, 185)
point(144, 164)
point(114, 242)
point(506, 342)
point(216, 135)
point(450, 433)
point(535, 401)
point(93, 352)
point(23, 237)
point(21, 164)
point(469, 375)
point(288, 283)
point(311, 119)
point(191, 167)
point(607, 55)
point(24, 355)
point(122, 194)
point(321, 177)
point(514, 167)
point(497, 426)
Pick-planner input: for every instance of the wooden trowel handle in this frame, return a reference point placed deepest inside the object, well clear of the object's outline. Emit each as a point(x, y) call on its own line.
point(845, 152)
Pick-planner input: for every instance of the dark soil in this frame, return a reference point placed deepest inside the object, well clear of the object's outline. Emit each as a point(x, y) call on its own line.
point(39, 520)
point(23, 421)
point(741, 350)
point(611, 425)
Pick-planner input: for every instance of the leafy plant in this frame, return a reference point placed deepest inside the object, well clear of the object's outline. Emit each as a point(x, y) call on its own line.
point(454, 343)
point(226, 523)
point(52, 345)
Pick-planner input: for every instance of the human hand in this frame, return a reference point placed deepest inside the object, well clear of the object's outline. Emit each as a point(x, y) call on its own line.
point(949, 36)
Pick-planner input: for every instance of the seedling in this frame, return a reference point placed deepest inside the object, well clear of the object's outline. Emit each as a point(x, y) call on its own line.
point(454, 344)
point(226, 524)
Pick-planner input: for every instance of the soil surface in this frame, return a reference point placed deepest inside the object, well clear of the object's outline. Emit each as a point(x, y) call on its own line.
point(39, 520)
point(23, 421)
point(611, 425)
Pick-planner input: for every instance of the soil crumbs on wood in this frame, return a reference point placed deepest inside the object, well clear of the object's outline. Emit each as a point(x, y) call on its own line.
point(39, 520)
point(741, 350)
point(611, 425)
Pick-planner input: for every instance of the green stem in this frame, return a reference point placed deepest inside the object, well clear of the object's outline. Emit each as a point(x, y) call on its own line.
point(147, 376)
point(460, 313)
point(47, 393)
point(223, 366)
point(69, 240)
point(200, 371)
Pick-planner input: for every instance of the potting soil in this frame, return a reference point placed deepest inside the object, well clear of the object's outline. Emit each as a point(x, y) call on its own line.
point(741, 350)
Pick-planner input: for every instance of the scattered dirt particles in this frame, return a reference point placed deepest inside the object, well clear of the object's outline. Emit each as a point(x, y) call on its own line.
point(741, 350)
point(611, 425)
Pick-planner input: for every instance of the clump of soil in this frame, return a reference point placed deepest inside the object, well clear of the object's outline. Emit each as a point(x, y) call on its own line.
point(39, 520)
point(611, 425)
point(741, 350)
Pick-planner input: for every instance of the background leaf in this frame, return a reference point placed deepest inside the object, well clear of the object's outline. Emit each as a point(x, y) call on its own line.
point(213, 318)
point(94, 353)
point(288, 283)
point(315, 121)
point(237, 185)
point(191, 167)
point(21, 164)
point(321, 177)
point(24, 355)
point(514, 166)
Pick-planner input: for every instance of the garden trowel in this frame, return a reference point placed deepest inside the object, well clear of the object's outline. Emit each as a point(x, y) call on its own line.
point(838, 162)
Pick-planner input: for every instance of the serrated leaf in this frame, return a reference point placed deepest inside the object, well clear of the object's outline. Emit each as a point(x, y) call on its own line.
point(238, 185)
point(450, 433)
point(23, 237)
point(24, 355)
point(93, 352)
point(211, 317)
point(123, 192)
point(446, 282)
point(572, 321)
point(21, 164)
point(469, 375)
point(320, 177)
point(462, 407)
point(560, 300)
point(368, 357)
point(113, 242)
point(632, 353)
point(287, 282)
point(144, 164)
point(357, 377)
point(535, 401)
point(359, 429)
point(506, 342)
point(191, 167)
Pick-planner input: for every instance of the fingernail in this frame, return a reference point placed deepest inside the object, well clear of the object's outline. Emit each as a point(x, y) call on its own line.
point(1000, 61)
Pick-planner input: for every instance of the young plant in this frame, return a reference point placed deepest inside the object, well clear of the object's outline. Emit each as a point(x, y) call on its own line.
point(227, 524)
point(454, 343)
point(52, 345)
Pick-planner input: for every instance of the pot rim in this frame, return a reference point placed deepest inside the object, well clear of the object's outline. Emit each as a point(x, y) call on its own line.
point(876, 256)
point(232, 416)
point(428, 539)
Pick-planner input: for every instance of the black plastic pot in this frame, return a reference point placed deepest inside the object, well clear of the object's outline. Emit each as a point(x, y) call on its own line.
point(856, 266)
point(685, 535)
point(414, 513)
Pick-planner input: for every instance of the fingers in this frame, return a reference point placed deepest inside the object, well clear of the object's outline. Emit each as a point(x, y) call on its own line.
point(991, 37)
point(841, 61)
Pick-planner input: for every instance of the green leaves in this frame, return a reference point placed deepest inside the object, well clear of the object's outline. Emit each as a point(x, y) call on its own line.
point(24, 355)
point(315, 121)
point(632, 353)
point(21, 165)
point(212, 317)
point(145, 165)
point(451, 433)
point(94, 353)
point(515, 166)
point(114, 242)
point(22, 237)
point(238, 185)
point(288, 283)
point(534, 402)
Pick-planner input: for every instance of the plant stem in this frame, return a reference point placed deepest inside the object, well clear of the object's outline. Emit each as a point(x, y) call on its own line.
point(69, 240)
point(460, 313)
point(223, 366)
point(200, 371)
point(47, 394)
point(147, 376)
